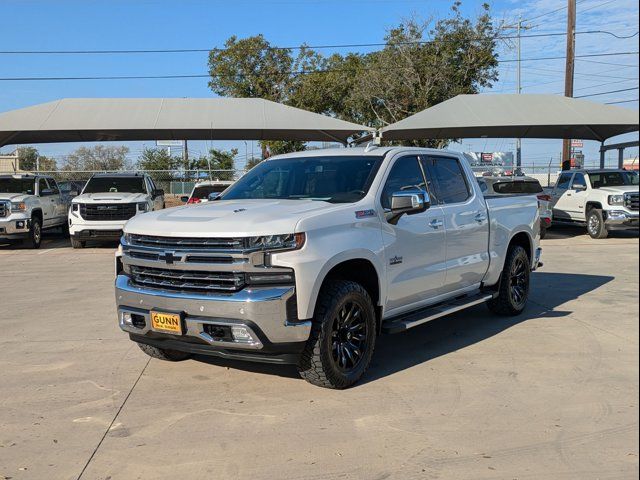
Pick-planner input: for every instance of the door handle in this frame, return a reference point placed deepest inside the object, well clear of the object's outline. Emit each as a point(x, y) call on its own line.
point(480, 218)
point(436, 223)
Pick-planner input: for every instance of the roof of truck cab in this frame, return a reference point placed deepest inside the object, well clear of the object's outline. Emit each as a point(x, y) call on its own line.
point(597, 170)
point(508, 178)
point(119, 174)
point(369, 151)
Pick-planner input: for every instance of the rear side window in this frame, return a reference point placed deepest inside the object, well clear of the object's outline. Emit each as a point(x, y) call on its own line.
point(448, 178)
point(564, 181)
point(517, 187)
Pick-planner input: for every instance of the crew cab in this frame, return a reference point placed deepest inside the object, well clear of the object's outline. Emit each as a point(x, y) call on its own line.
point(30, 204)
point(310, 256)
point(107, 202)
point(601, 200)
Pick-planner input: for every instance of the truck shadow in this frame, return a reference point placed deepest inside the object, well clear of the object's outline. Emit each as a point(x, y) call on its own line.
point(395, 353)
point(448, 334)
point(569, 231)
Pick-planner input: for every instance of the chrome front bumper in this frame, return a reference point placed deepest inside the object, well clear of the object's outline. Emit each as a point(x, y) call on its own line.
point(14, 226)
point(262, 311)
point(619, 219)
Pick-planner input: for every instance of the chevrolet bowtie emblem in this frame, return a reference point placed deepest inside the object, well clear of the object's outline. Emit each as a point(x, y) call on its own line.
point(170, 257)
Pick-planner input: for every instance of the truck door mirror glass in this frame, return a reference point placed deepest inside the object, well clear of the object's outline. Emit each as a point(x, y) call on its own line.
point(184, 199)
point(158, 193)
point(213, 196)
point(408, 202)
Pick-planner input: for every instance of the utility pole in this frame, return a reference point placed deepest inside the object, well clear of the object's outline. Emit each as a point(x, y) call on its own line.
point(519, 88)
point(568, 76)
point(185, 156)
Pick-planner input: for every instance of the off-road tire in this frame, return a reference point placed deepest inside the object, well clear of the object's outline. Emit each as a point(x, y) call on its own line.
point(34, 239)
point(595, 224)
point(505, 303)
point(163, 353)
point(75, 243)
point(317, 364)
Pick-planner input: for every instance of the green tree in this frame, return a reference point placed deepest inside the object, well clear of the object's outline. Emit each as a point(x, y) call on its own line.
point(215, 161)
point(252, 162)
point(98, 158)
point(421, 64)
point(30, 160)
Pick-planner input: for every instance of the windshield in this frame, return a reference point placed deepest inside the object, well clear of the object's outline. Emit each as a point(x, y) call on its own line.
point(17, 185)
point(341, 179)
point(613, 179)
point(203, 192)
point(115, 185)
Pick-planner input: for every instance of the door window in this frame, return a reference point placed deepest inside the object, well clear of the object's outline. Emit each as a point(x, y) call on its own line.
point(449, 180)
point(42, 186)
point(405, 174)
point(579, 181)
point(564, 181)
point(53, 186)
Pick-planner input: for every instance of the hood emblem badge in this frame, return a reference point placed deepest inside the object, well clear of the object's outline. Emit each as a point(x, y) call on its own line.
point(170, 257)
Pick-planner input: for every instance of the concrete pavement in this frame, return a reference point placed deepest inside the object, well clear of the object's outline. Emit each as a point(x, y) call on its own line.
point(550, 394)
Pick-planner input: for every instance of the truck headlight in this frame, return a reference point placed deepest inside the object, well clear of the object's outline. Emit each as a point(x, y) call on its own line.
point(616, 199)
point(291, 241)
point(143, 207)
point(18, 207)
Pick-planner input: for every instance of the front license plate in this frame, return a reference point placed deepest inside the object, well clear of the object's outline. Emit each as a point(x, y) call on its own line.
point(167, 322)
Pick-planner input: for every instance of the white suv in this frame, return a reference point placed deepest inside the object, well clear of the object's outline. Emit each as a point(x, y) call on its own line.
point(107, 202)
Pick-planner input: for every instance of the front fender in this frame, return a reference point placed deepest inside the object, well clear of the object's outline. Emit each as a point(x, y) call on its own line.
point(323, 251)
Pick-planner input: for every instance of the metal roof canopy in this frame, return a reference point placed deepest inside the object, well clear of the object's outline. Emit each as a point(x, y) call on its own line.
point(515, 116)
point(126, 119)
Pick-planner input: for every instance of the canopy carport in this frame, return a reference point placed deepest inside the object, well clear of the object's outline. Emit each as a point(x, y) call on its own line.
point(128, 119)
point(515, 116)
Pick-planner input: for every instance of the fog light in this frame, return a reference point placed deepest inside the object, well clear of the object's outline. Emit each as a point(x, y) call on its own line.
point(127, 319)
point(241, 334)
point(20, 224)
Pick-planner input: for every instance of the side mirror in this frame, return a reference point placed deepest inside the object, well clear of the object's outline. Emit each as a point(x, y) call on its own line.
point(408, 202)
point(158, 193)
point(46, 192)
point(213, 196)
point(579, 188)
point(184, 199)
point(73, 193)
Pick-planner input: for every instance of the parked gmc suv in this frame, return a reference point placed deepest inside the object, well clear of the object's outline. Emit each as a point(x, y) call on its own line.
point(310, 256)
point(107, 202)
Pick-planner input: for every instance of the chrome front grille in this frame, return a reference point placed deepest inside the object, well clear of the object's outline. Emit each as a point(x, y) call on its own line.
point(190, 243)
point(4, 209)
point(632, 201)
point(108, 211)
point(186, 280)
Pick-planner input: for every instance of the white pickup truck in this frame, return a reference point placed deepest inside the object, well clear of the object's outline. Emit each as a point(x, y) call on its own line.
point(107, 202)
point(602, 200)
point(30, 204)
point(310, 256)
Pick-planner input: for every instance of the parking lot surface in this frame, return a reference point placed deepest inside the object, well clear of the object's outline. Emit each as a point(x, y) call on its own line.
point(550, 394)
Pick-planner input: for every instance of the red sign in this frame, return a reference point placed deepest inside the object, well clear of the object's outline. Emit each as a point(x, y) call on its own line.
point(487, 157)
point(577, 143)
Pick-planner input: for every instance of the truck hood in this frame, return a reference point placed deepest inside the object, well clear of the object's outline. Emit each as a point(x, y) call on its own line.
point(14, 197)
point(229, 218)
point(120, 197)
point(619, 190)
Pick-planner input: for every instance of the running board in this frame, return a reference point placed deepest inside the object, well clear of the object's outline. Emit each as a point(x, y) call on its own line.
point(418, 317)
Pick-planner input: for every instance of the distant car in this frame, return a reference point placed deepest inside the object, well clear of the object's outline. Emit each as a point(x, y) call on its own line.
point(205, 191)
point(521, 185)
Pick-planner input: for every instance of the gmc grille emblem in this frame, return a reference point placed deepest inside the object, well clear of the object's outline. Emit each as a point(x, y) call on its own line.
point(170, 257)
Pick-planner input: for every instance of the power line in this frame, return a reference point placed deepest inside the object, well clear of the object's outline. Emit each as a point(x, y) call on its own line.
point(622, 101)
point(298, 47)
point(258, 74)
point(606, 93)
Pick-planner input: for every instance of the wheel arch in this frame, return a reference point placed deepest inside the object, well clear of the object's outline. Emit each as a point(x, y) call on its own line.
point(359, 267)
point(37, 213)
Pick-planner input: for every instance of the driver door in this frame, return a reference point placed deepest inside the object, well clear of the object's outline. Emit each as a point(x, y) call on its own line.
point(414, 247)
point(577, 197)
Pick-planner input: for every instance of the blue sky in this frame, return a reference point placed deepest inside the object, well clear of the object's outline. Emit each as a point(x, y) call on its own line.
point(157, 24)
